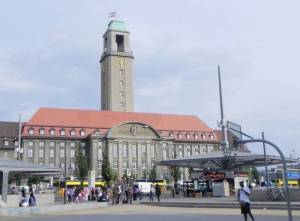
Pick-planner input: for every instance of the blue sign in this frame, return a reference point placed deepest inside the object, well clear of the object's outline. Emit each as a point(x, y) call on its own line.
point(293, 175)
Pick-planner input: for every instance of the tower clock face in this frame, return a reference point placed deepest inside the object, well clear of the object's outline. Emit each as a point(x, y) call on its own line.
point(122, 63)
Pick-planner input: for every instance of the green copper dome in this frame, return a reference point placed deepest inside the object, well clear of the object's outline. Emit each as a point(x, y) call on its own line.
point(117, 26)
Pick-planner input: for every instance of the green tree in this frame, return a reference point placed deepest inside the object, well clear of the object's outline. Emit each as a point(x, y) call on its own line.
point(34, 180)
point(175, 173)
point(255, 174)
point(153, 173)
point(107, 172)
point(81, 169)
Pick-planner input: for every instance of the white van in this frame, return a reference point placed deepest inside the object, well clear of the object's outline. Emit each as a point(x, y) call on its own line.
point(144, 187)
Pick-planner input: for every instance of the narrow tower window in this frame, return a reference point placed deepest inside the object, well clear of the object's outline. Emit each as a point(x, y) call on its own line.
point(120, 43)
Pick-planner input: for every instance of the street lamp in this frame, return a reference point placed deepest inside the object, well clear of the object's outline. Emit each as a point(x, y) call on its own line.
point(147, 163)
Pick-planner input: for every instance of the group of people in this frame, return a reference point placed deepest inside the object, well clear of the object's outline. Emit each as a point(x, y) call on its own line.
point(78, 194)
point(26, 201)
point(154, 190)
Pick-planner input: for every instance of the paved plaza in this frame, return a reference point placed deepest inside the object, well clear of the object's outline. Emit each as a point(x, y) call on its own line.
point(153, 213)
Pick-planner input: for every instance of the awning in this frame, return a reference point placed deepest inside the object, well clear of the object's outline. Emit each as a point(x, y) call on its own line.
point(218, 160)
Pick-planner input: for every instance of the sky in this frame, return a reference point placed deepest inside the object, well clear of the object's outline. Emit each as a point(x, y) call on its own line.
point(50, 51)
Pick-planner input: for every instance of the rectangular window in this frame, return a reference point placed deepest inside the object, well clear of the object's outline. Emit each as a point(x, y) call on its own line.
point(72, 132)
point(144, 152)
point(143, 164)
point(51, 152)
point(125, 165)
point(31, 131)
point(62, 165)
point(83, 152)
point(99, 144)
point(125, 150)
point(82, 133)
point(62, 133)
point(180, 154)
point(52, 132)
point(122, 75)
point(30, 152)
point(133, 165)
point(42, 144)
point(100, 154)
point(51, 164)
point(72, 166)
point(42, 131)
point(41, 152)
point(72, 144)
point(5, 154)
point(6, 143)
point(122, 104)
point(30, 144)
point(62, 152)
point(52, 144)
point(120, 43)
point(164, 154)
point(16, 143)
point(121, 85)
point(134, 152)
point(62, 144)
point(72, 153)
point(115, 165)
point(152, 150)
point(115, 150)
point(82, 144)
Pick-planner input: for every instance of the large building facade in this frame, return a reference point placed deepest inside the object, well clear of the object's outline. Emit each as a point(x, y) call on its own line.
point(133, 141)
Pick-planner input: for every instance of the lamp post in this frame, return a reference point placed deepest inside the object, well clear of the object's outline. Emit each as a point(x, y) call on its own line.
point(65, 167)
point(146, 126)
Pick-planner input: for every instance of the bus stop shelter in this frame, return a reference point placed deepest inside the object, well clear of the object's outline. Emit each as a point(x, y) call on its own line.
point(220, 160)
point(25, 168)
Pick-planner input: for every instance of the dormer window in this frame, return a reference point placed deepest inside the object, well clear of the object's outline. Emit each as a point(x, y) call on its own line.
point(73, 132)
point(42, 131)
point(82, 133)
point(31, 131)
point(62, 132)
point(52, 132)
point(203, 136)
point(188, 136)
point(179, 136)
point(196, 137)
point(211, 136)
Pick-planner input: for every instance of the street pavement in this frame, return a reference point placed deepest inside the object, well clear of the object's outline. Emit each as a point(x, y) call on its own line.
point(153, 213)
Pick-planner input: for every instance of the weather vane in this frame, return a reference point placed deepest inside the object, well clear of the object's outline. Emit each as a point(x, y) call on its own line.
point(113, 15)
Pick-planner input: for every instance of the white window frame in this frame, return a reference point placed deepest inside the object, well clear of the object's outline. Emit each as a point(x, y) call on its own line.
point(62, 132)
point(134, 164)
point(6, 143)
point(31, 131)
point(42, 131)
point(30, 152)
point(115, 150)
point(51, 152)
point(52, 132)
point(125, 149)
point(100, 154)
point(134, 150)
point(73, 132)
point(115, 165)
point(61, 152)
point(41, 152)
point(41, 143)
point(152, 150)
point(72, 153)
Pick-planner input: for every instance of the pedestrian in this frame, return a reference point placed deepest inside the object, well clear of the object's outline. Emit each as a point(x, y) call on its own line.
point(140, 190)
point(151, 193)
point(157, 192)
point(32, 200)
point(243, 198)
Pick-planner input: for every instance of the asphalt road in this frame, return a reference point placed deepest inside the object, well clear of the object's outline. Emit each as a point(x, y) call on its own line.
point(152, 217)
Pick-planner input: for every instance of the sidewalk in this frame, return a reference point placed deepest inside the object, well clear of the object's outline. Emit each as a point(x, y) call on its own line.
point(215, 202)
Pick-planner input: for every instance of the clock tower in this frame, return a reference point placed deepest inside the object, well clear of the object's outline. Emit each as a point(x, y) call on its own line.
point(116, 69)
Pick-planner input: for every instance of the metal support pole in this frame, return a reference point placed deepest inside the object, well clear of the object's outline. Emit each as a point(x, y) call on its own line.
point(65, 189)
point(286, 187)
point(266, 162)
point(19, 139)
point(224, 140)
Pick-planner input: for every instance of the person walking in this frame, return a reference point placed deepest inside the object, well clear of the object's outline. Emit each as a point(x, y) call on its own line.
point(157, 192)
point(32, 200)
point(243, 198)
point(151, 193)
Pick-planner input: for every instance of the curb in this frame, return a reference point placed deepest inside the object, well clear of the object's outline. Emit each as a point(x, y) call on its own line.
point(223, 205)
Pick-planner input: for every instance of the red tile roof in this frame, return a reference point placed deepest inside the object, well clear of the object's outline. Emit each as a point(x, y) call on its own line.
point(56, 117)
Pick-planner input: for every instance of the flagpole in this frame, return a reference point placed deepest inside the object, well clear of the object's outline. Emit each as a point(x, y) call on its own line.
point(19, 139)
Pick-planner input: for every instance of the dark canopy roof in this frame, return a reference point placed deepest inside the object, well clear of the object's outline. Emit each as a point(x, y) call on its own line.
point(10, 165)
point(217, 160)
